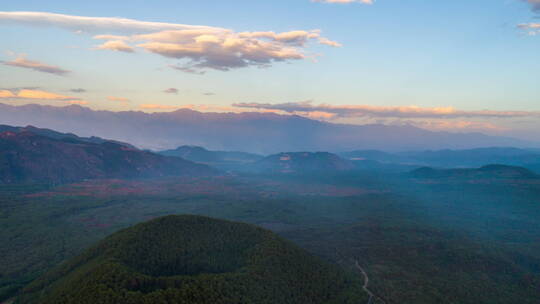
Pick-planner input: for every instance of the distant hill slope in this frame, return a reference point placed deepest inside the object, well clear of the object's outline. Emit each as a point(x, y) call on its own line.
point(486, 172)
point(58, 135)
point(263, 133)
point(200, 154)
point(302, 162)
point(468, 158)
point(27, 156)
point(193, 259)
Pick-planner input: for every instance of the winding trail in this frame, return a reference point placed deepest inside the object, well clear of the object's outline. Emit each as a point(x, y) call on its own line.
point(372, 296)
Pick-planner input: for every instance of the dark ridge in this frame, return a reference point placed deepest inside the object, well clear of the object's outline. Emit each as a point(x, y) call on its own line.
point(27, 157)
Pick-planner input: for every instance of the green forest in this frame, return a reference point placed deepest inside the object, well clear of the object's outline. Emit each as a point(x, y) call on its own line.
point(193, 259)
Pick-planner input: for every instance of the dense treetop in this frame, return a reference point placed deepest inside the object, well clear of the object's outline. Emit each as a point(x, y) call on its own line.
point(193, 259)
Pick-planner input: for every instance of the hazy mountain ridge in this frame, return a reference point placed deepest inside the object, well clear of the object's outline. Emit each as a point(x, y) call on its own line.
point(200, 154)
point(58, 135)
point(28, 156)
point(263, 133)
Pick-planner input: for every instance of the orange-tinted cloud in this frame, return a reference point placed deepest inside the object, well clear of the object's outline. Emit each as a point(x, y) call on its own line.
point(384, 111)
point(6, 94)
point(34, 94)
point(119, 99)
point(158, 107)
point(198, 48)
point(77, 102)
point(116, 45)
point(22, 62)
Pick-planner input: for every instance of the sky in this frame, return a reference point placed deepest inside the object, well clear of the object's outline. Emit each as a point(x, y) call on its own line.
point(444, 65)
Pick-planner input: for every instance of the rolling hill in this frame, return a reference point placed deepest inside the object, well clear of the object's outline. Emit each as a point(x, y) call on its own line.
point(193, 259)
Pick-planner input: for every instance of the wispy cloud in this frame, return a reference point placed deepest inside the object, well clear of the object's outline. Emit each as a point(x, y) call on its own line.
point(344, 1)
point(158, 107)
point(35, 95)
point(116, 45)
point(171, 91)
point(344, 111)
point(535, 4)
point(78, 90)
point(22, 62)
point(197, 48)
point(119, 99)
point(77, 102)
point(531, 28)
point(91, 24)
point(194, 107)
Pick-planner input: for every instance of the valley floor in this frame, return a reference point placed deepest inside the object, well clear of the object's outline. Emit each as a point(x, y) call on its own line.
point(420, 241)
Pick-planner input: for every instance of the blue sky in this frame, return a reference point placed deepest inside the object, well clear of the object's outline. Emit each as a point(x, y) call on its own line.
point(469, 56)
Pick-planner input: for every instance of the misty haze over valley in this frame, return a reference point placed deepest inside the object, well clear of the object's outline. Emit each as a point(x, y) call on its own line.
point(270, 152)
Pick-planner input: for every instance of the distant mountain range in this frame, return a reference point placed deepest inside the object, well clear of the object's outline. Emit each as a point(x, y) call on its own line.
point(37, 155)
point(263, 133)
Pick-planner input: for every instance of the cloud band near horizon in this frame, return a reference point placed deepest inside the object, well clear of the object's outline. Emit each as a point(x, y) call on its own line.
point(352, 111)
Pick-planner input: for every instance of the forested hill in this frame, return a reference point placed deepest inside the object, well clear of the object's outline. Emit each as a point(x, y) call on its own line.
point(28, 156)
point(193, 259)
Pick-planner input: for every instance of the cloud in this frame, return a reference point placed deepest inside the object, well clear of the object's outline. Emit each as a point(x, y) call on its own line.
point(531, 28)
point(171, 91)
point(119, 99)
point(344, 1)
point(7, 94)
point(116, 45)
point(194, 107)
point(22, 62)
point(35, 94)
point(456, 125)
point(225, 50)
point(78, 90)
point(197, 48)
point(77, 102)
point(90, 24)
point(344, 111)
point(535, 4)
point(209, 94)
point(158, 107)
